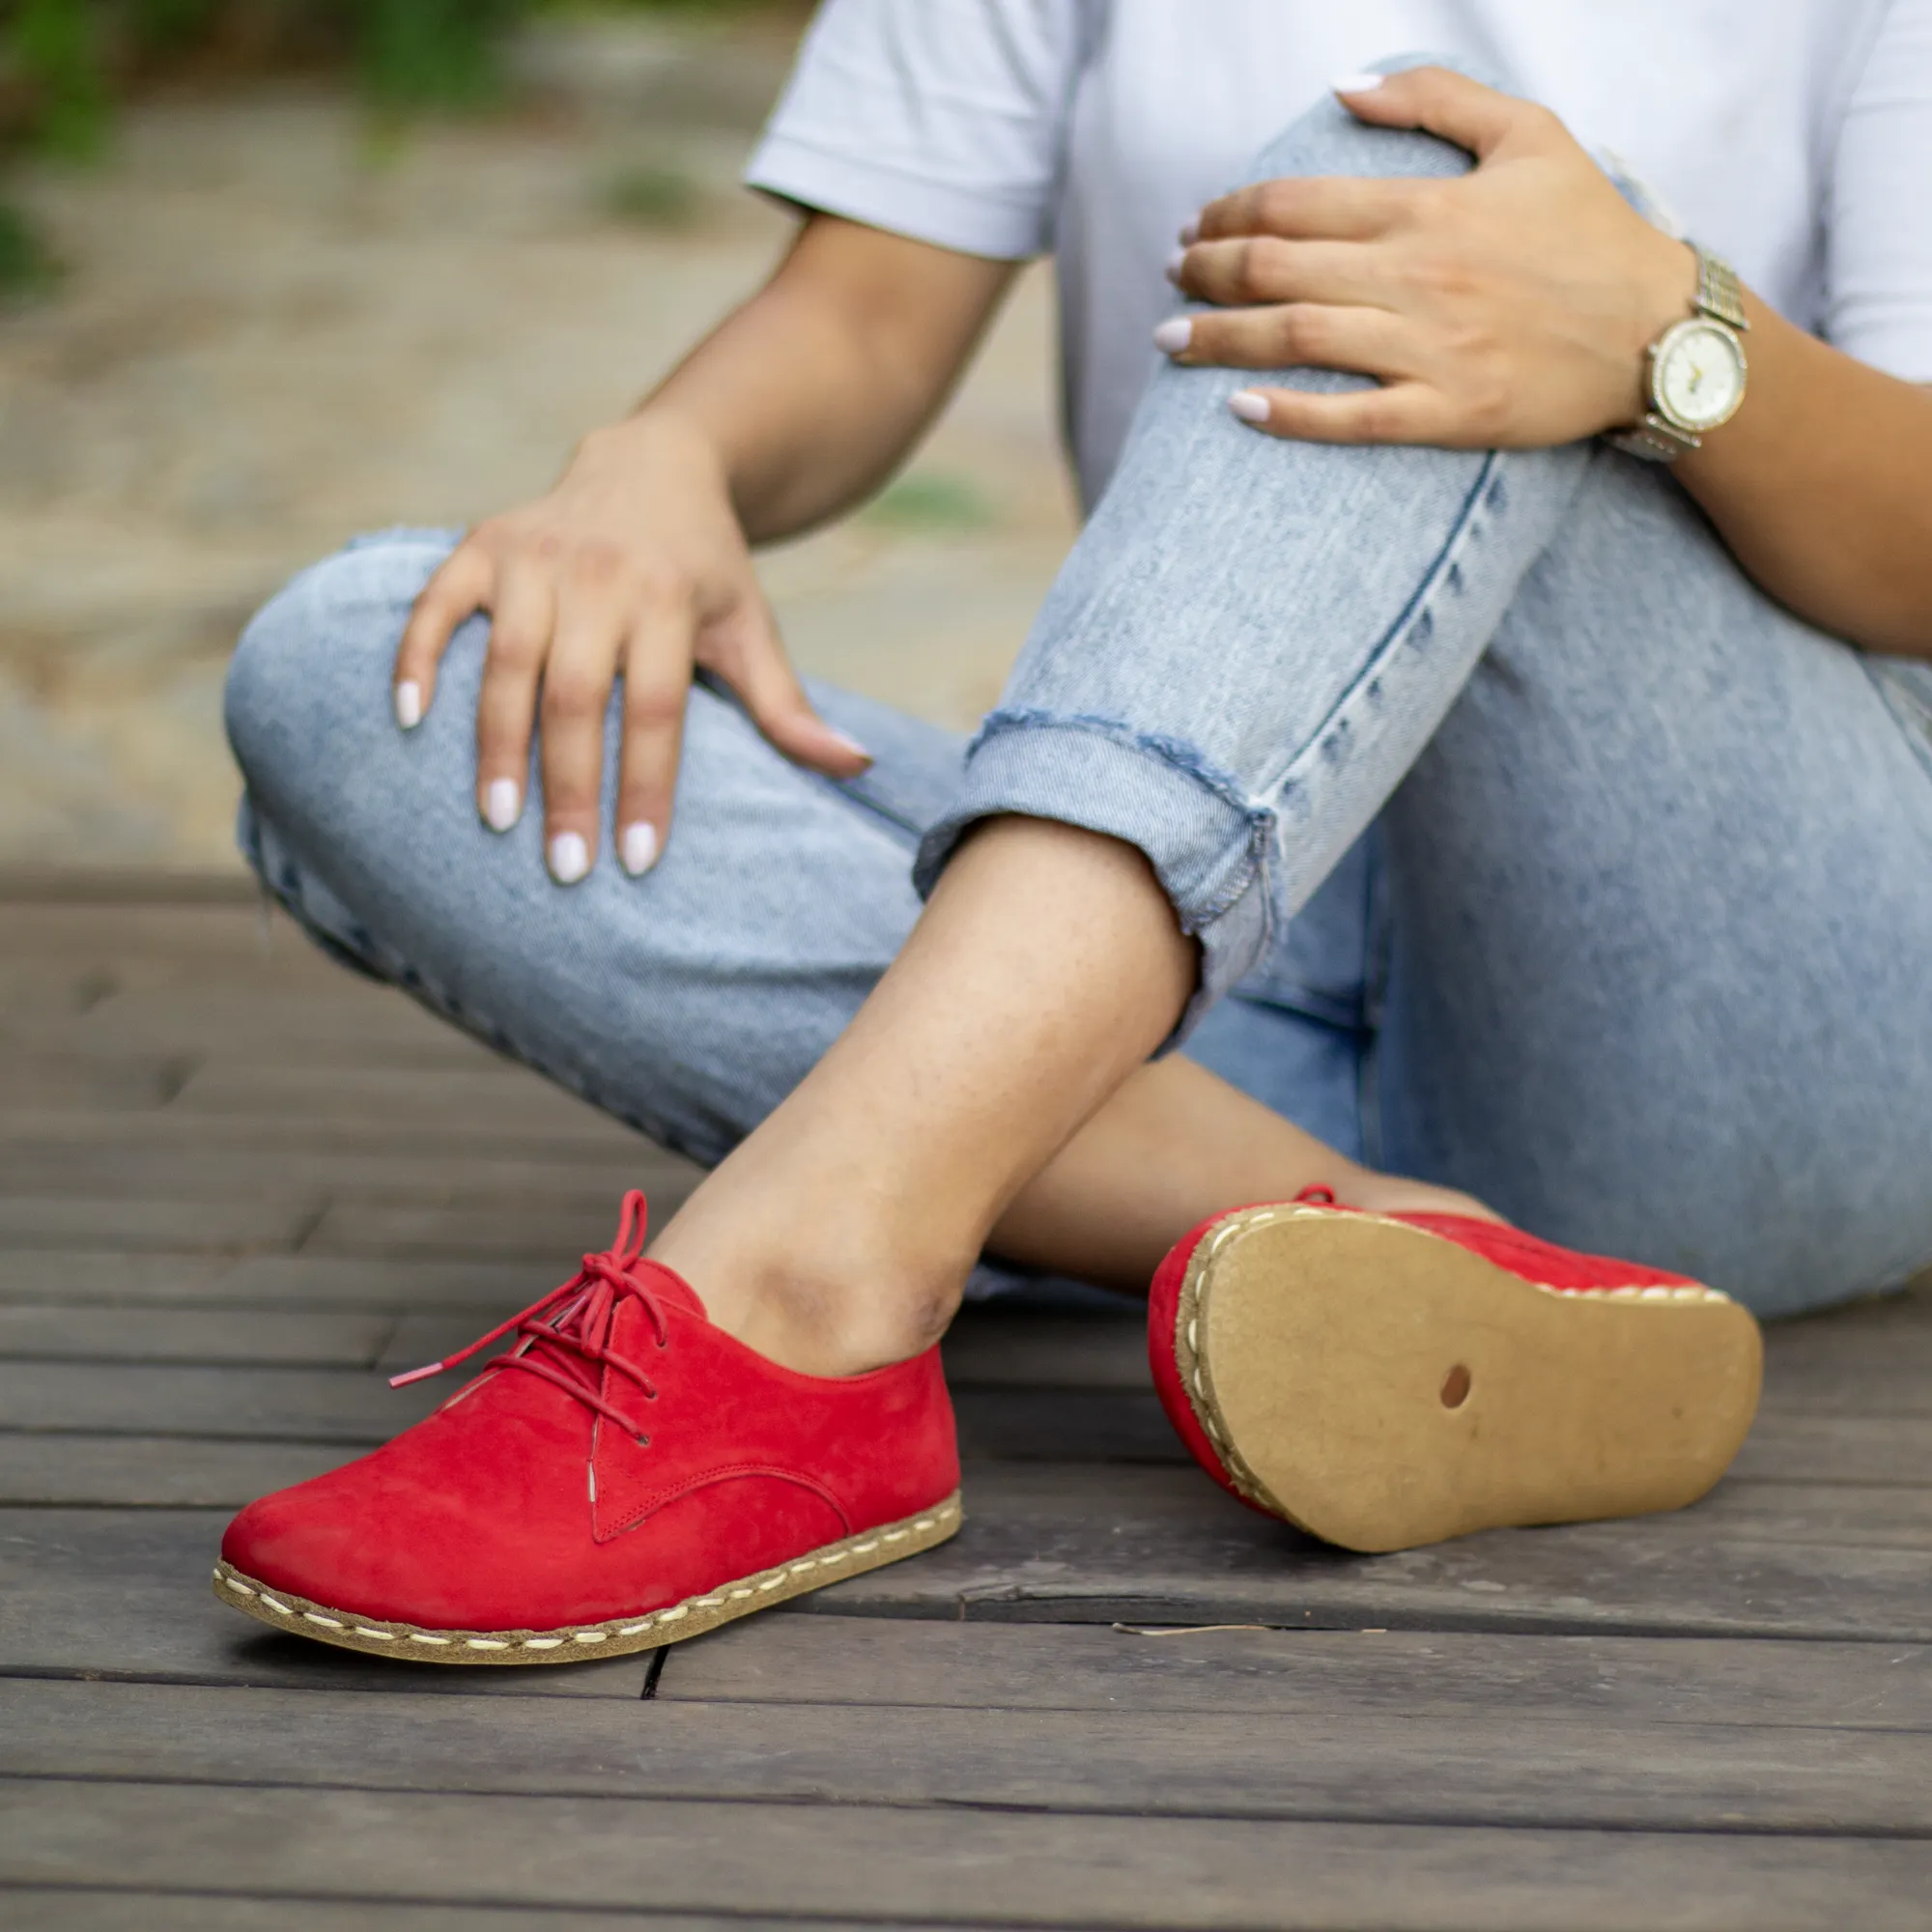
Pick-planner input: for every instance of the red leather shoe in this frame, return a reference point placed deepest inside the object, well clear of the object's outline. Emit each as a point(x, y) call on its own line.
point(1382, 1380)
point(627, 1474)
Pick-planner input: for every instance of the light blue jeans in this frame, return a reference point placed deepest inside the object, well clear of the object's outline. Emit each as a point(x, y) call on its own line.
point(1532, 848)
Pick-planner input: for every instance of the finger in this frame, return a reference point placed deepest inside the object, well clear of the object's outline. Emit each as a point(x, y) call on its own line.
point(1370, 341)
point(749, 656)
point(593, 618)
point(520, 635)
point(1450, 105)
point(1404, 412)
point(1266, 269)
point(1326, 208)
point(459, 589)
point(658, 660)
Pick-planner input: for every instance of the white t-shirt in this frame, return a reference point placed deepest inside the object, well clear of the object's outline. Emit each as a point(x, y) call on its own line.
point(1793, 137)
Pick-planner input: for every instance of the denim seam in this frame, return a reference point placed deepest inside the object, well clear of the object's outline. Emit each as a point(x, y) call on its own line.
point(1178, 757)
point(1415, 618)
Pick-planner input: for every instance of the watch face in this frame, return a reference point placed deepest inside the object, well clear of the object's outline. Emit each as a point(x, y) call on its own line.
point(1700, 375)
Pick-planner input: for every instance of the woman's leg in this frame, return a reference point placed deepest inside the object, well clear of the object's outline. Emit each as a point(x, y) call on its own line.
point(1249, 647)
point(1659, 904)
point(691, 1001)
point(687, 1003)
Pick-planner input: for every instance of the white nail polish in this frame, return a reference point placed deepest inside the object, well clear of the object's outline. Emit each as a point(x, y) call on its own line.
point(1250, 405)
point(569, 858)
point(852, 744)
point(502, 803)
point(637, 848)
point(408, 704)
point(1174, 335)
point(1358, 83)
point(1190, 231)
point(1174, 262)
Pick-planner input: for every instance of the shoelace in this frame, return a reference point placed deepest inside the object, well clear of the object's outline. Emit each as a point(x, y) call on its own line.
point(571, 1325)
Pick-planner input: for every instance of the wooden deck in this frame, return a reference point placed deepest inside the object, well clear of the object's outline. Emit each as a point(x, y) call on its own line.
point(235, 1182)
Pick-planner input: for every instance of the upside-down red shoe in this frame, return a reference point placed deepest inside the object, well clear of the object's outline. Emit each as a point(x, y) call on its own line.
point(1382, 1380)
point(626, 1476)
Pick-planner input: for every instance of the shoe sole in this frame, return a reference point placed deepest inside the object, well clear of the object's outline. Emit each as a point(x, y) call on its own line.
point(1381, 1386)
point(851, 1556)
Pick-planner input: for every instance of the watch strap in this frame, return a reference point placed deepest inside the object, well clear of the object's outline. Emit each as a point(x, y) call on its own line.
point(1655, 439)
point(1719, 295)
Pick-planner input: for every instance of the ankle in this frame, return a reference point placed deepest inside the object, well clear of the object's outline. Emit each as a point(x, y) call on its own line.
point(822, 1314)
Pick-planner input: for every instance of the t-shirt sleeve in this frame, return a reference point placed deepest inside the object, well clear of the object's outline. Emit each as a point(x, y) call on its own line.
point(943, 120)
point(1878, 261)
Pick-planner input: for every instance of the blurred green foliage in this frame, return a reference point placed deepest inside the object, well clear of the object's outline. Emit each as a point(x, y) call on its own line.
point(26, 267)
point(62, 62)
point(930, 502)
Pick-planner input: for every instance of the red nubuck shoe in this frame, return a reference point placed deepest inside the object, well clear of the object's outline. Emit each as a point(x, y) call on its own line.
point(1382, 1380)
point(626, 1476)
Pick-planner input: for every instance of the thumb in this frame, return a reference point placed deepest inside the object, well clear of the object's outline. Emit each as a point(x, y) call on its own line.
point(1438, 101)
point(752, 661)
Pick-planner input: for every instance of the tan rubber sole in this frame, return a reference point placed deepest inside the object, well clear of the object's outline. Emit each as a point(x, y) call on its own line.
point(851, 1556)
point(1381, 1387)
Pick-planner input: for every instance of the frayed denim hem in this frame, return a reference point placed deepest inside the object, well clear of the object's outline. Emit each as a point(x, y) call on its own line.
point(1207, 845)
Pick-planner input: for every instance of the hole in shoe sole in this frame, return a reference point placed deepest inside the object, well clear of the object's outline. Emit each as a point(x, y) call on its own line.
point(1456, 1387)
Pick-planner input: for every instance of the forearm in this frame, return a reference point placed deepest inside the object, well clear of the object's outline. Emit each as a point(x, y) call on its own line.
point(808, 395)
point(1821, 485)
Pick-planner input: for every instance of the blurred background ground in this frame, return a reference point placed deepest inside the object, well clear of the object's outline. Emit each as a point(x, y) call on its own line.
point(281, 317)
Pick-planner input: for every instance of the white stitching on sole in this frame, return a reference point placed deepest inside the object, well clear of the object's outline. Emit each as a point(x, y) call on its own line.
point(762, 1584)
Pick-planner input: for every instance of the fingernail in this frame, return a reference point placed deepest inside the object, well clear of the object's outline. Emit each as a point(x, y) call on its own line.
point(1250, 405)
point(852, 744)
point(569, 858)
point(1173, 266)
point(1358, 83)
point(637, 848)
point(1172, 335)
point(408, 704)
point(502, 803)
point(1190, 231)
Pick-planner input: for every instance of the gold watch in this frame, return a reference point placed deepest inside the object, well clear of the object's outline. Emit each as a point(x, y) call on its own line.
point(1695, 370)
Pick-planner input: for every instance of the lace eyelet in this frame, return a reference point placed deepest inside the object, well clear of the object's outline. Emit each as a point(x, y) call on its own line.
point(642, 1441)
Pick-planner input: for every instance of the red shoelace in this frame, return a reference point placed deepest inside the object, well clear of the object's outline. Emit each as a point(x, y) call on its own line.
point(567, 1334)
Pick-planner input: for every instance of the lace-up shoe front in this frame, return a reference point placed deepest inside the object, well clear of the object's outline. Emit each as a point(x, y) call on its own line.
point(627, 1474)
point(1382, 1380)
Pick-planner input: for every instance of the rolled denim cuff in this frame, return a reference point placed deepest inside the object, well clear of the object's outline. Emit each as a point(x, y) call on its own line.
point(1206, 844)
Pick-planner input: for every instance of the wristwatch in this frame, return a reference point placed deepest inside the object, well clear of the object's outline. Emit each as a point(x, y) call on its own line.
point(1695, 370)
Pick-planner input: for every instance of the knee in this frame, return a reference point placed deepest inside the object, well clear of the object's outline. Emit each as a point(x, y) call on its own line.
point(1329, 140)
point(316, 658)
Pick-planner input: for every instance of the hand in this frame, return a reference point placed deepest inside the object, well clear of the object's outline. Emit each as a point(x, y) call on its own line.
point(635, 562)
point(1508, 308)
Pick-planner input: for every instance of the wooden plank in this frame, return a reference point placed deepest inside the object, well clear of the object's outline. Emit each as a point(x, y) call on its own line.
point(898, 1863)
point(33, 1076)
point(120, 1594)
point(270, 1404)
point(81, 1909)
point(1876, 1449)
point(1095, 1544)
point(122, 886)
point(167, 1471)
point(550, 1240)
point(158, 1472)
point(233, 1336)
point(109, 1166)
point(267, 1280)
point(514, 1097)
point(1268, 1673)
point(123, 1594)
point(136, 1226)
point(1469, 1770)
point(369, 1135)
